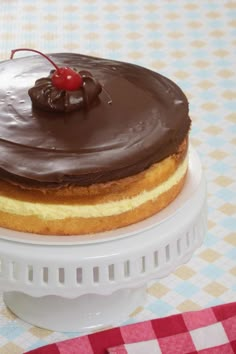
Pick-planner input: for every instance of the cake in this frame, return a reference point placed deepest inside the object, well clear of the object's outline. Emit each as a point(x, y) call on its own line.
point(96, 160)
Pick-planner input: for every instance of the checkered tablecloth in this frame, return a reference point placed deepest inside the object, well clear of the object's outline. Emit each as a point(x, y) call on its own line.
point(193, 42)
point(208, 331)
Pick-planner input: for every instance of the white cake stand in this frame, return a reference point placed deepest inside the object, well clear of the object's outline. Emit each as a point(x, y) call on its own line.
point(85, 283)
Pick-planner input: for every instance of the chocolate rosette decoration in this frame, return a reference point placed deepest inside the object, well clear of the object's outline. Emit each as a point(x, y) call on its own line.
point(45, 95)
point(65, 89)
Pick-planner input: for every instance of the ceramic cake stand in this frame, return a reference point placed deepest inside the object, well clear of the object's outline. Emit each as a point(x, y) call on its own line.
point(84, 283)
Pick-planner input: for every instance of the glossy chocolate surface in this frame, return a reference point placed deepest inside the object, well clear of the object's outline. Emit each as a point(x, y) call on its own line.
point(146, 122)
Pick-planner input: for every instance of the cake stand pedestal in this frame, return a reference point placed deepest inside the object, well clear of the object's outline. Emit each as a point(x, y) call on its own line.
point(88, 282)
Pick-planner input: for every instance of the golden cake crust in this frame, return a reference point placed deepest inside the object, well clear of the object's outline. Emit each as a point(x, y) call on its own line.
point(97, 194)
point(82, 226)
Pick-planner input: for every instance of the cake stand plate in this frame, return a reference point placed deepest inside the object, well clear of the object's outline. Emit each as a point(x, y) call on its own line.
point(86, 283)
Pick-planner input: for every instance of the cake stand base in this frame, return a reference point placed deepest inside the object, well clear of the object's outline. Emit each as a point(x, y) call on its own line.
point(83, 314)
point(82, 284)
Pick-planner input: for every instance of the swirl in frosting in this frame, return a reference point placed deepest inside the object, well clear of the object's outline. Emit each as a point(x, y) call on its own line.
point(49, 98)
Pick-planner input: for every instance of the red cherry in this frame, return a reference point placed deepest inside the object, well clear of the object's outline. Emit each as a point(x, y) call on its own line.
point(63, 78)
point(67, 79)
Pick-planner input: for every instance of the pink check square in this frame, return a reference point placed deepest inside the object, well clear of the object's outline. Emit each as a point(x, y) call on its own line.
point(197, 319)
point(138, 332)
point(230, 328)
point(177, 344)
point(78, 345)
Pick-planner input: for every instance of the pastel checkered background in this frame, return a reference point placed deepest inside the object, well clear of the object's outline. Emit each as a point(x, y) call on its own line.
point(192, 42)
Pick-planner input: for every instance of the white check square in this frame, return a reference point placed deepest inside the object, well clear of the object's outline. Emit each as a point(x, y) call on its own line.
point(150, 346)
point(210, 336)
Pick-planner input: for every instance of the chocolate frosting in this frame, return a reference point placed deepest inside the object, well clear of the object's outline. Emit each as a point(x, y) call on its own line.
point(45, 96)
point(145, 123)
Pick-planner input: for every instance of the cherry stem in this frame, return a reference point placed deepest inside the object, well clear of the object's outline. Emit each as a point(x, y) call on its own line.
point(35, 51)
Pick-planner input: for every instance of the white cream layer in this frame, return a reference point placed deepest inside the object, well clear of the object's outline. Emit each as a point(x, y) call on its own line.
point(60, 211)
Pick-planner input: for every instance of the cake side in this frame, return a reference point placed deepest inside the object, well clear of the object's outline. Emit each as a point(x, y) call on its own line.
point(153, 190)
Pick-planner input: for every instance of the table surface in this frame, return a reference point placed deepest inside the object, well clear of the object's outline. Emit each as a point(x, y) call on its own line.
point(193, 43)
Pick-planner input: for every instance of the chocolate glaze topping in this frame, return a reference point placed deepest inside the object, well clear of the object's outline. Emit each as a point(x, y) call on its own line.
point(145, 123)
point(45, 96)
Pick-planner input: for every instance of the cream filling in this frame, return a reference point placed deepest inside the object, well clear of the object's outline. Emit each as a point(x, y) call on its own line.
point(60, 211)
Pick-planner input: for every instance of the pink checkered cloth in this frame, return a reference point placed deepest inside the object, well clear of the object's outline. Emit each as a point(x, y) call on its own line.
point(208, 331)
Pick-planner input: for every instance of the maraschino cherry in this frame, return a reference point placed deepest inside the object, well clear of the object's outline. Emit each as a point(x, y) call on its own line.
point(63, 78)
